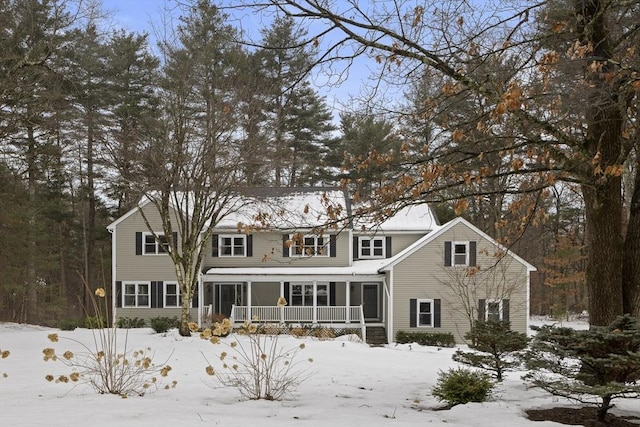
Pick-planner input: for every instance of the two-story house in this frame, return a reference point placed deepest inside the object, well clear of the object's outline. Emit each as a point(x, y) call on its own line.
point(406, 273)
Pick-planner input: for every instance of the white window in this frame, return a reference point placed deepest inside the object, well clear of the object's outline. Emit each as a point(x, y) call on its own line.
point(493, 311)
point(136, 294)
point(424, 312)
point(460, 253)
point(150, 246)
point(309, 245)
point(232, 245)
point(172, 295)
point(301, 294)
point(371, 247)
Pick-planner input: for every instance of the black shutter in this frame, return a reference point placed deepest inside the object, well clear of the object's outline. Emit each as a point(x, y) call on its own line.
point(250, 245)
point(156, 296)
point(286, 292)
point(138, 243)
point(153, 294)
point(332, 246)
point(472, 254)
point(482, 306)
point(387, 249)
point(436, 313)
point(214, 245)
point(332, 293)
point(285, 247)
point(447, 254)
point(118, 295)
point(356, 251)
point(194, 300)
point(505, 310)
point(413, 309)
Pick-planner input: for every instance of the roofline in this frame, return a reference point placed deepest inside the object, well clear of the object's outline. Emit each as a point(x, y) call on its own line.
point(141, 204)
point(393, 261)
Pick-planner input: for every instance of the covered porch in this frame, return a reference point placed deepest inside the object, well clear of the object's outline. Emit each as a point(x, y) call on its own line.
point(324, 296)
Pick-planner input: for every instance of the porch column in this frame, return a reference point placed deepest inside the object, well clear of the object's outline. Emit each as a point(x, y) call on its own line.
point(283, 307)
point(250, 317)
point(347, 299)
point(315, 302)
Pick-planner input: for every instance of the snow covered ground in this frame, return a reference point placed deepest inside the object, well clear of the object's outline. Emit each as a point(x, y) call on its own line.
point(350, 384)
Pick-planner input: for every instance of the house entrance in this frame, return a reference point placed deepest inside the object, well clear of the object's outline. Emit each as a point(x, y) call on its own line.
point(371, 301)
point(227, 295)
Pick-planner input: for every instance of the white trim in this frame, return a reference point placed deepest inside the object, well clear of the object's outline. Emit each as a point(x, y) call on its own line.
point(326, 246)
point(232, 237)
point(372, 247)
point(136, 283)
point(143, 202)
point(390, 334)
point(466, 253)
point(164, 294)
point(500, 308)
point(157, 244)
point(432, 312)
point(114, 292)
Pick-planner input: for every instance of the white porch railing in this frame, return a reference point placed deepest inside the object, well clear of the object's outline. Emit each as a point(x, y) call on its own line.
point(334, 315)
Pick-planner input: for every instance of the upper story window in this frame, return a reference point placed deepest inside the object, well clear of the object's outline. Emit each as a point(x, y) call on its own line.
point(151, 246)
point(309, 245)
point(460, 253)
point(232, 245)
point(371, 247)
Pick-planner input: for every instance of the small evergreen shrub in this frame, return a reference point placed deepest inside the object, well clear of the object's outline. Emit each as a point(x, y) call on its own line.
point(496, 347)
point(163, 324)
point(93, 322)
point(69, 324)
point(425, 338)
point(129, 323)
point(459, 386)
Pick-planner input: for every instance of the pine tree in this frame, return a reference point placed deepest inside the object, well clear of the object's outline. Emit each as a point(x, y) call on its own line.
point(496, 347)
point(594, 366)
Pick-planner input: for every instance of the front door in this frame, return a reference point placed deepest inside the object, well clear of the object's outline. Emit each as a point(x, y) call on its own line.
point(371, 301)
point(228, 295)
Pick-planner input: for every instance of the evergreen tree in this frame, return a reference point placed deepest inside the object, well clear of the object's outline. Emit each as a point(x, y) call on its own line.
point(594, 366)
point(496, 347)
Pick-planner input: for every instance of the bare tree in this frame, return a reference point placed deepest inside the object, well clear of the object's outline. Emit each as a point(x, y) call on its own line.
point(562, 107)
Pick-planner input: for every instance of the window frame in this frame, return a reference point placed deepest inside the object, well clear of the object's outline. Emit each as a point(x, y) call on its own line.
point(371, 247)
point(221, 253)
point(454, 262)
point(137, 294)
point(431, 302)
point(303, 294)
point(295, 245)
point(488, 313)
point(177, 295)
point(160, 248)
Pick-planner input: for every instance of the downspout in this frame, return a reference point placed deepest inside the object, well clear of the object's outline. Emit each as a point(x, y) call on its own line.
point(114, 293)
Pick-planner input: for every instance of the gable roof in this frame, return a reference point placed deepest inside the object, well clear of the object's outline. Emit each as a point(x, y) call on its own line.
point(419, 217)
point(425, 240)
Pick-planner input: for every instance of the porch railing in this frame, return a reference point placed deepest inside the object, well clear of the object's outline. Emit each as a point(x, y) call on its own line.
point(300, 314)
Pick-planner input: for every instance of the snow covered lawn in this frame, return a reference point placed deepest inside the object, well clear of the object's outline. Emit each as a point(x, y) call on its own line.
point(351, 384)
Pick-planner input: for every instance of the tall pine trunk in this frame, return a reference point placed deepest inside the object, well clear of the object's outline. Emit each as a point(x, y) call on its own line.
point(631, 251)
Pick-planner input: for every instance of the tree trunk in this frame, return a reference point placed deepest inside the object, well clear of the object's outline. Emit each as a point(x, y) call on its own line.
point(631, 252)
point(30, 316)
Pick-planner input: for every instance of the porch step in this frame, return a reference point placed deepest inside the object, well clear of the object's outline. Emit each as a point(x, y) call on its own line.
point(376, 335)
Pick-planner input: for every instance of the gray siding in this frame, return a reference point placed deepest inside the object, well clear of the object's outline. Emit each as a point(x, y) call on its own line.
point(423, 275)
point(268, 252)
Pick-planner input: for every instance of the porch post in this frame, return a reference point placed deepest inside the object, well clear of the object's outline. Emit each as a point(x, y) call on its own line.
point(282, 308)
point(249, 316)
point(315, 302)
point(347, 298)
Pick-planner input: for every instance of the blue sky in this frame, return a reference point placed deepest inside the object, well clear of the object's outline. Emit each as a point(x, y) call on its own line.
point(146, 15)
